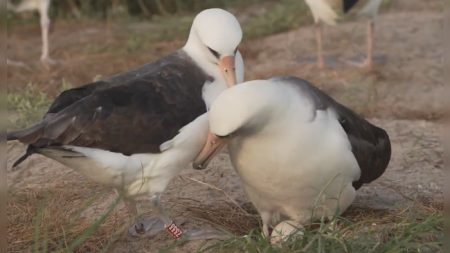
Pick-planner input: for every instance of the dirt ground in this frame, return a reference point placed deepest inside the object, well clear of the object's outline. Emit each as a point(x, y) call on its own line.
point(405, 96)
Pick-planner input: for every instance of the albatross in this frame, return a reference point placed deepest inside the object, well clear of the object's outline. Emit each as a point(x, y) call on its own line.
point(136, 130)
point(300, 154)
point(329, 11)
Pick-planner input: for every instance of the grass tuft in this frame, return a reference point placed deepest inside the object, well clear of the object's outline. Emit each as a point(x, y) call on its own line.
point(27, 106)
point(415, 229)
point(282, 16)
point(62, 221)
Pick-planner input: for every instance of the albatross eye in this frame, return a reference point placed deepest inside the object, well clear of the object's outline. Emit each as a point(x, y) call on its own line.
point(214, 52)
point(235, 51)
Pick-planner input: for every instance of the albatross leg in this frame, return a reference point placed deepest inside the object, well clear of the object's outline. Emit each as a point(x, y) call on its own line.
point(369, 58)
point(45, 27)
point(148, 227)
point(319, 41)
point(266, 218)
point(368, 62)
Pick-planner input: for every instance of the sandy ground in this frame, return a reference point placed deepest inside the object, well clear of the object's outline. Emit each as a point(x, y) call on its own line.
point(405, 95)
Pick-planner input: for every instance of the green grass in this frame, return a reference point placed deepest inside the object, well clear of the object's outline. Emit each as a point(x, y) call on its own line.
point(411, 230)
point(284, 15)
point(27, 106)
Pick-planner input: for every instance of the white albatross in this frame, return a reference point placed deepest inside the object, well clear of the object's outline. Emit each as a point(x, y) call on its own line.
point(329, 11)
point(136, 130)
point(299, 153)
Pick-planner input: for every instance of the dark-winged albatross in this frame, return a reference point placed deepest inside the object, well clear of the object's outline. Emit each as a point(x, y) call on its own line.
point(299, 153)
point(328, 11)
point(42, 7)
point(136, 130)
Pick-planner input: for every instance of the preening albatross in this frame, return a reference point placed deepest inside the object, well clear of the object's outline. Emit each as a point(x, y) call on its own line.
point(136, 130)
point(299, 153)
point(329, 11)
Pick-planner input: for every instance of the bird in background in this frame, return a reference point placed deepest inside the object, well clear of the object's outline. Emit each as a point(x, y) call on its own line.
point(42, 7)
point(329, 12)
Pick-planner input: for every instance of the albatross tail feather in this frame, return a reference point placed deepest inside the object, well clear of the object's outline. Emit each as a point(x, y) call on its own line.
point(28, 153)
point(27, 135)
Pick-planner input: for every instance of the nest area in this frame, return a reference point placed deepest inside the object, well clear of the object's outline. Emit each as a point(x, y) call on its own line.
point(60, 215)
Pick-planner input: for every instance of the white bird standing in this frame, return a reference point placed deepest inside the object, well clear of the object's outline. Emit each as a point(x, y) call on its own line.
point(42, 7)
point(136, 130)
point(300, 154)
point(328, 12)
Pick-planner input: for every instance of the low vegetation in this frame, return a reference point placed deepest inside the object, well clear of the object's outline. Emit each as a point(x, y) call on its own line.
point(27, 106)
point(413, 229)
point(417, 228)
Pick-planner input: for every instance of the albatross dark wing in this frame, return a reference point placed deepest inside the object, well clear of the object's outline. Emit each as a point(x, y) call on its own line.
point(370, 144)
point(68, 97)
point(131, 116)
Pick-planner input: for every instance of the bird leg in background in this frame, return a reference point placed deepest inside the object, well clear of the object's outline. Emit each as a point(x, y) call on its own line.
point(45, 27)
point(319, 36)
point(370, 31)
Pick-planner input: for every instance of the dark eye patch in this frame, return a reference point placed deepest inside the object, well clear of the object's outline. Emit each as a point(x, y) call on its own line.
point(235, 51)
point(214, 52)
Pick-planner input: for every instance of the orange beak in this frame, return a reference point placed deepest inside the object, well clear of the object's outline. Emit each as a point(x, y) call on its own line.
point(228, 69)
point(213, 145)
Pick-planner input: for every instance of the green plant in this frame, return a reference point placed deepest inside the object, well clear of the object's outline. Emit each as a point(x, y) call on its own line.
point(414, 229)
point(42, 243)
point(26, 106)
point(29, 105)
point(282, 16)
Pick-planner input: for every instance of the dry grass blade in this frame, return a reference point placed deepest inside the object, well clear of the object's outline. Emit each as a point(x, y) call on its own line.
point(222, 191)
point(226, 216)
point(60, 217)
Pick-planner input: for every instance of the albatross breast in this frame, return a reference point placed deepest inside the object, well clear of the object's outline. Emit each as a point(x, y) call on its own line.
point(303, 152)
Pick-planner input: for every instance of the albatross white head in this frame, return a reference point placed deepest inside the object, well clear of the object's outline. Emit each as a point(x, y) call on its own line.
point(240, 111)
point(213, 43)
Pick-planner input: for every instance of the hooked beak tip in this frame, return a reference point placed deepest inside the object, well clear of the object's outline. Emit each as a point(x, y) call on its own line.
point(212, 146)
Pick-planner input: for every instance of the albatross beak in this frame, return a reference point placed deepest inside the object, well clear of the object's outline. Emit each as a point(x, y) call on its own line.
point(213, 145)
point(226, 65)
